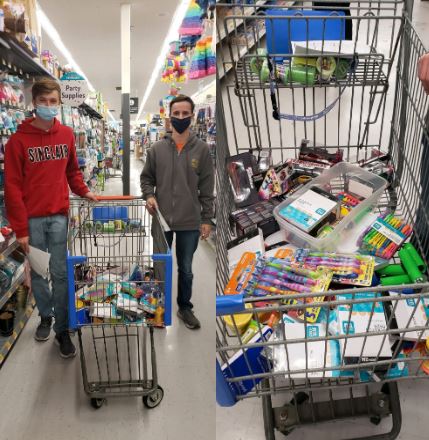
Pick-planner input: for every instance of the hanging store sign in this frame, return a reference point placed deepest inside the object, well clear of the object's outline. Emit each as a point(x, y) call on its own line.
point(74, 89)
point(134, 105)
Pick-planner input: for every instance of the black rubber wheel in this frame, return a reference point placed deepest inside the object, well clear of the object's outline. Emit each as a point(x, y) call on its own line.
point(375, 420)
point(97, 403)
point(154, 399)
point(300, 397)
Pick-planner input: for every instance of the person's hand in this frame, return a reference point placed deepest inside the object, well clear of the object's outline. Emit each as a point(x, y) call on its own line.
point(151, 205)
point(205, 231)
point(24, 242)
point(91, 196)
point(423, 71)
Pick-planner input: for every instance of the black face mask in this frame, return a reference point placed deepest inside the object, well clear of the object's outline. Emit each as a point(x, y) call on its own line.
point(180, 125)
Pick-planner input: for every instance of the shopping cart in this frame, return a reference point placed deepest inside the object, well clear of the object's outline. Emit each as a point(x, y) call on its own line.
point(119, 273)
point(113, 165)
point(374, 104)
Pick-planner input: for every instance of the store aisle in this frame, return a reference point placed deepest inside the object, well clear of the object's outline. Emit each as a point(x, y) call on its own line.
point(42, 395)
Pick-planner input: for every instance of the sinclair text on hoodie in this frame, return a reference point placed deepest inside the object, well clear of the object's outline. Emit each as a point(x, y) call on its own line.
point(39, 168)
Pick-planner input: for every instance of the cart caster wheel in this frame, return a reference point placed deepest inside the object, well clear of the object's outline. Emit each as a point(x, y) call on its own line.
point(300, 397)
point(154, 399)
point(375, 420)
point(286, 433)
point(97, 403)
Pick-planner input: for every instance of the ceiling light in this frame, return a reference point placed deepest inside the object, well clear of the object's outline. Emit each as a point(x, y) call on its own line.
point(53, 34)
point(173, 34)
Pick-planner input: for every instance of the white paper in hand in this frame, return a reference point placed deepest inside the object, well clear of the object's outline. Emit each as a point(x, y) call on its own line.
point(162, 221)
point(39, 261)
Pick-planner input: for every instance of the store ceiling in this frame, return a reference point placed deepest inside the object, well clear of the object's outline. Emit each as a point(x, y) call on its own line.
point(90, 29)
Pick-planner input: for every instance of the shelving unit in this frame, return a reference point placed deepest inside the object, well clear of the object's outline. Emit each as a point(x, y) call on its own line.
point(18, 59)
point(231, 25)
point(21, 318)
point(224, 61)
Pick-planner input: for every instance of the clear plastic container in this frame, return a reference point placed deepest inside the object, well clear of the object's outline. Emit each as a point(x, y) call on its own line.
point(341, 177)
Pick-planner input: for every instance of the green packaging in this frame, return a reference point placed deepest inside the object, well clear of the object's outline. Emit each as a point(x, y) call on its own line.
point(393, 280)
point(415, 256)
point(305, 75)
point(410, 266)
point(391, 270)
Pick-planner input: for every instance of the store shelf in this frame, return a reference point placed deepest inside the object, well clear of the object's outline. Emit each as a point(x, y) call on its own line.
point(226, 66)
point(233, 24)
point(225, 63)
point(17, 281)
point(18, 58)
point(21, 318)
point(8, 246)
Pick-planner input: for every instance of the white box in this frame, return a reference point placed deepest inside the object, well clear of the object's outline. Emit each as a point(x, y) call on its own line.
point(406, 309)
point(357, 322)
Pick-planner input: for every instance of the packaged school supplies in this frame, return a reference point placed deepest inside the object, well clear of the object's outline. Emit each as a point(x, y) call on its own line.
point(351, 269)
point(384, 237)
point(270, 186)
point(310, 209)
point(98, 293)
point(365, 317)
point(270, 276)
point(248, 361)
point(277, 272)
point(240, 169)
point(411, 313)
point(341, 177)
point(293, 356)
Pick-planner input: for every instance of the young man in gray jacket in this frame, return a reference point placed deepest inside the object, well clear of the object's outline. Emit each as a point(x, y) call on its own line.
point(178, 180)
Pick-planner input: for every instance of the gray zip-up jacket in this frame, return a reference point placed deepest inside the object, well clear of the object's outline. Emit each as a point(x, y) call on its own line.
point(183, 183)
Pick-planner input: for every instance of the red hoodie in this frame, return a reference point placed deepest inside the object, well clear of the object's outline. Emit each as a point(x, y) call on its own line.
point(39, 167)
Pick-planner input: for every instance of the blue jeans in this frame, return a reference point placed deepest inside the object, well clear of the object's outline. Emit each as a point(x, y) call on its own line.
point(50, 234)
point(186, 245)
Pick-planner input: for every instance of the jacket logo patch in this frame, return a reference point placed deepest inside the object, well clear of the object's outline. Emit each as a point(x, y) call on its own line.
point(194, 163)
point(50, 152)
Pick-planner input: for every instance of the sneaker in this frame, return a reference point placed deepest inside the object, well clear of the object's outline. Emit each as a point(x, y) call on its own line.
point(188, 317)
point(44, 329)
point(67, 348)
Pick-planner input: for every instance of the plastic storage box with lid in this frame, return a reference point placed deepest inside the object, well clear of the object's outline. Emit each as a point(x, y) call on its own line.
point(341, 177)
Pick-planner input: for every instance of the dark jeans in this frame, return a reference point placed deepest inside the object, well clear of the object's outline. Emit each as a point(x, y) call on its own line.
point(186, 245)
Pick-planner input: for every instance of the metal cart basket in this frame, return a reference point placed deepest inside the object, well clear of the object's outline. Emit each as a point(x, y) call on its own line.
point(119, 290)
point(374, 103)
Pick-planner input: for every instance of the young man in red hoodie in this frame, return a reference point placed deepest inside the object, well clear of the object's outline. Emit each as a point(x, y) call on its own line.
point(40, 165)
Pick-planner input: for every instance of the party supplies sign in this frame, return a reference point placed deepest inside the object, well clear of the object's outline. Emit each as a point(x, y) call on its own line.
point(74, 89)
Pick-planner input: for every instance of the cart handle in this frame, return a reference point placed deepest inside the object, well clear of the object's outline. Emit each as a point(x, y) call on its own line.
point(104, 198)
point(229, 304)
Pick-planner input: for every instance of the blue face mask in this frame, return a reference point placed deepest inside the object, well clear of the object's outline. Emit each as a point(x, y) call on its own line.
point(47, 113)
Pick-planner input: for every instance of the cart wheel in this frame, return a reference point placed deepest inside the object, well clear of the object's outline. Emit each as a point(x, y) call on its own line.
point(97, 403)
point(300, 397)
point(375, 420)
point(154, 399)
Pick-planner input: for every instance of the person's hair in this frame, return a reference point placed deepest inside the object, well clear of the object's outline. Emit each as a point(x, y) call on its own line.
point(44, 86)
point(182, 98)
